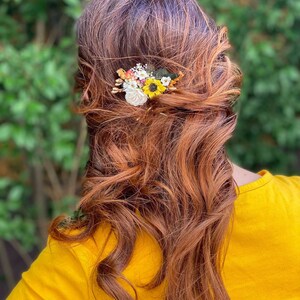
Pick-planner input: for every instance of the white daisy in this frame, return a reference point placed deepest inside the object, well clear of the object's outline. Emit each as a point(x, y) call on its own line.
point(129, 84)
point(166, 81)
point(135, 97)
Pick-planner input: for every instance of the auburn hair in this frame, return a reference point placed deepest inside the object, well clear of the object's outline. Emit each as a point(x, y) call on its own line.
point(165, 169)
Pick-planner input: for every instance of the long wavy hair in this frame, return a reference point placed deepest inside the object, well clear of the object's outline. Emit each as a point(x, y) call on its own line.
point(165, 169)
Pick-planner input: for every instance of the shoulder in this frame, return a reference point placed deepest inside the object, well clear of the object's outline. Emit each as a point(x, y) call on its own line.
point(265, 238)
point(84, 253)
point(96, 246)
point(62, 270)
point(271, 206)
point(269, 186)
point(287, 189)
point(288, 183)
point(57, 273)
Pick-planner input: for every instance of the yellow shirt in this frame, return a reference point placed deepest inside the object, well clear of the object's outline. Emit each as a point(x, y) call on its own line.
point(262, 262)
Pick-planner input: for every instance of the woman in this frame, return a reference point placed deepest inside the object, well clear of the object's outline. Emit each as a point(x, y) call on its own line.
point(164, 213)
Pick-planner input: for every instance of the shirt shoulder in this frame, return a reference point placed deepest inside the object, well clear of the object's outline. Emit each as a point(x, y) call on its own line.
point(268, 189)
point(287, 185)
point(67, 270)
point(59, 272)
point(264, 240)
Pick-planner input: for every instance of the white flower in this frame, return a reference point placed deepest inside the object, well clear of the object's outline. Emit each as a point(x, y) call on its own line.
point(129, 84)
point(166, 81)
point(141, 74)
point(135, 97)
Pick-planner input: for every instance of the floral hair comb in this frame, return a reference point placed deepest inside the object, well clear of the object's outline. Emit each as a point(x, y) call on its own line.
point(143, 82)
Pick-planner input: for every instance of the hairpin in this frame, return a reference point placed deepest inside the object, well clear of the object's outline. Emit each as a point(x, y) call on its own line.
point(143, 82)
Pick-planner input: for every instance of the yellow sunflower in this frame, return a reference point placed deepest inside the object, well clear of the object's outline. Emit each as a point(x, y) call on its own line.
point(153, 87)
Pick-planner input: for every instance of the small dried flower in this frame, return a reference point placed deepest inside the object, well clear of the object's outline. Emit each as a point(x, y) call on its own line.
point(174, 81)
point(119, 82)
point(166, 81)
point(116, 90)
point(142, 74)
point(121, 73)
point(129, 75)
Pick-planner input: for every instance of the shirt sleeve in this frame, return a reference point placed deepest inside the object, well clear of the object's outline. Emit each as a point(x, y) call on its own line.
point(57, 273)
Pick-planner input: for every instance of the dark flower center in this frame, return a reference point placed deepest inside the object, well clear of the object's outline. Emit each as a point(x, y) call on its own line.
point(153, 87)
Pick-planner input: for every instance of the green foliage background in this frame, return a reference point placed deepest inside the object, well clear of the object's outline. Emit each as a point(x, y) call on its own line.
point(42, 142)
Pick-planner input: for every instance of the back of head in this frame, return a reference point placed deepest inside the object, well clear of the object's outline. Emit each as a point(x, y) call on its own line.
point(164, 169)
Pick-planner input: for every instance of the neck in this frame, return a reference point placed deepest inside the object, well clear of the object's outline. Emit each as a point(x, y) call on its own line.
point(243, 176)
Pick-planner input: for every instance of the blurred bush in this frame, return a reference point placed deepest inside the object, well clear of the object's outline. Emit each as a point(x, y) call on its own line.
point(265, 38)
point(42, 141)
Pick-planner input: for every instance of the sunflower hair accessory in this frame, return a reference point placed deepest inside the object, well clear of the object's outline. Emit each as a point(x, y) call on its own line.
point(143, 82)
